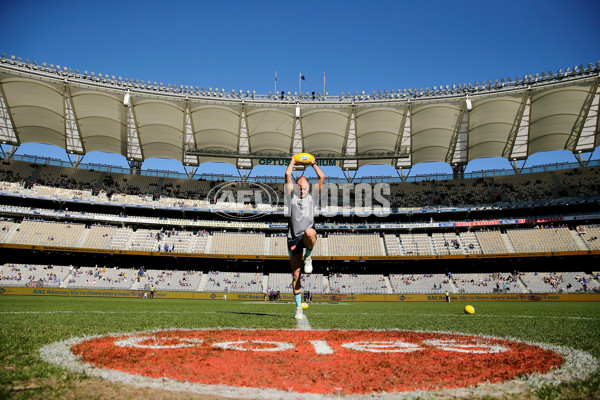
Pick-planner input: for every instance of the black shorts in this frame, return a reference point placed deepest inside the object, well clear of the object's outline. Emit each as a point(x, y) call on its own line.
point(295, 245)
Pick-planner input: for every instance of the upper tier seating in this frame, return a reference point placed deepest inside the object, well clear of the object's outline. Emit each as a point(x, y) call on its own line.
point(68, 178)
point(5, 228)
point(100, 237)
point(159, 240)
point(527, 187)
point(179, 192)
point(355, 245)
point(491, 242)
point(519, 240)
point(465, 191)
point(580, 182)
point(411, 195)
point(16, 171)
point(416, 244)
point(539, 240)
point(238, 243)
point(590, 234)
point(49, 233)
point(392, 244)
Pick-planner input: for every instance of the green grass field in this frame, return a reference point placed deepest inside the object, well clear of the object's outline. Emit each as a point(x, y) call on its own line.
point(28, 323)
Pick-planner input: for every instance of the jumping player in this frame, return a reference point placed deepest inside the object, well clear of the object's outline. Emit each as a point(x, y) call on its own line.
point(301, 232)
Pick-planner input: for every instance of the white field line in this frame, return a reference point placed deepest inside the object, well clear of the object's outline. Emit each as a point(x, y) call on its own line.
point(34, 312)
point(566, 317)
point(303, 324)
point(468, 316)
point(284, 303)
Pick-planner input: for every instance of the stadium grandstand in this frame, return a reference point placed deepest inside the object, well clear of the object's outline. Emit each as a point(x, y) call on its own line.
point(77, 225)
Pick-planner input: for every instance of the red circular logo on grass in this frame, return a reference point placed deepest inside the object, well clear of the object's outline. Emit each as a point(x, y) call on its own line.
point(319, 362)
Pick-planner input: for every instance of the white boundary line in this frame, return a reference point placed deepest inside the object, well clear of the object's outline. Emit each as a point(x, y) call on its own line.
point(303, 324)
point(578, 365)
point(456, 315)
point(469, 316)
point(319, 303)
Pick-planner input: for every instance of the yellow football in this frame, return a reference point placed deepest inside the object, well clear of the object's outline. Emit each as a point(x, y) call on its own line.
point(304, 305)
point(469, 310)
point(303, 158)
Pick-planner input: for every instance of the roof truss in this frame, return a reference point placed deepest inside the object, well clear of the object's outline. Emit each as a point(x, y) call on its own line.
point(83, 113)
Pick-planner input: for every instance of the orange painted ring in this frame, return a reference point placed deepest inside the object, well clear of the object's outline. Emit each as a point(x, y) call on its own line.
point(327, 362)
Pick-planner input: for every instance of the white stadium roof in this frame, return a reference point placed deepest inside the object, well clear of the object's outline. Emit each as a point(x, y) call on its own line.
point(85, 112)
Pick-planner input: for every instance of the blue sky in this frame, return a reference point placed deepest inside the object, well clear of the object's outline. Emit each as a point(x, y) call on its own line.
point(359, 45)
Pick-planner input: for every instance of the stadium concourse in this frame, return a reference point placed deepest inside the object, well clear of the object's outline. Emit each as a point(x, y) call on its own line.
point(71, 224)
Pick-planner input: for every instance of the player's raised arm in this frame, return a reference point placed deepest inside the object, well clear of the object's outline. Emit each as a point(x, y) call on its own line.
point(289, 183)
point(319, 185)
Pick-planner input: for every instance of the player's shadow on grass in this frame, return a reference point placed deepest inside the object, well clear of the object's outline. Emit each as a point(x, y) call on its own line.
point(251, 313)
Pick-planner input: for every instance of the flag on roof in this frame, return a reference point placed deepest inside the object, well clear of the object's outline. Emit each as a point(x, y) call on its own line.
point(302, 76)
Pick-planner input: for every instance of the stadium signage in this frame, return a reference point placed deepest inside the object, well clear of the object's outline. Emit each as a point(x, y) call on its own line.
point(322, 162)
point(331, 362)
point(361, 199)
point(27, 291)
point(367, 199)
point(51, 291)
point(254, 195)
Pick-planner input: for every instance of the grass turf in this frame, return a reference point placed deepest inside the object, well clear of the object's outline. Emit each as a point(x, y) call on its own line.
point(28, 323)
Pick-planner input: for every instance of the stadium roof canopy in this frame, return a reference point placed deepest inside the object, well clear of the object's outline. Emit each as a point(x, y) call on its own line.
point(83, 112)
